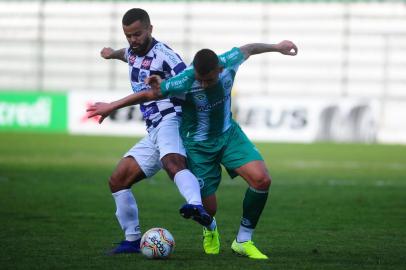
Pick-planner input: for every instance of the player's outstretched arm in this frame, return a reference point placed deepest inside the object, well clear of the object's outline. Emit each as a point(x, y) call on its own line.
point(109, 53)
point(104, 109)
point(284, 47)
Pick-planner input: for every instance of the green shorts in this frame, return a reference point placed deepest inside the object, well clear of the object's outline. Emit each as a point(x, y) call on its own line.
point(232, 149)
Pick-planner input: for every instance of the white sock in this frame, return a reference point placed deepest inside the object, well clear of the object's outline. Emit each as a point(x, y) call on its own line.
point(244, 234)
point(188, 186)
point(127, 214)
point(212, 225)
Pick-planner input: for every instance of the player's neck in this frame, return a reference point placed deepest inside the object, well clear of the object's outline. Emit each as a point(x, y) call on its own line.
point(147, 48)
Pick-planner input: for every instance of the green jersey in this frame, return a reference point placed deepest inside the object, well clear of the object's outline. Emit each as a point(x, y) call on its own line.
point(206, 112)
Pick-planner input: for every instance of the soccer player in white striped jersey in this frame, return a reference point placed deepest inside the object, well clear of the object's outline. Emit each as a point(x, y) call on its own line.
point(163, 146)
point(212, 137)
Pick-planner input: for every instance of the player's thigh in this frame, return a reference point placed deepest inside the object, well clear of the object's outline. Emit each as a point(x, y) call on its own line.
point(204, 163)
point(239, 151)
point(127, 172)
point(146, 155)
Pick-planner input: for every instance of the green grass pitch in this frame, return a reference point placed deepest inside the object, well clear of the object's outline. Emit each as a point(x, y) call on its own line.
point(332, 206)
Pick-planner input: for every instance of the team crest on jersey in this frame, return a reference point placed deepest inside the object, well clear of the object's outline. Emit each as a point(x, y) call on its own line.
point(200, 97)
point(146, 62)
point(142, 76)
point(200, 101)
point(131, 59)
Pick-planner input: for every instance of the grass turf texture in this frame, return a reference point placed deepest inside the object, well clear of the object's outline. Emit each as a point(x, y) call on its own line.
point(332, 206)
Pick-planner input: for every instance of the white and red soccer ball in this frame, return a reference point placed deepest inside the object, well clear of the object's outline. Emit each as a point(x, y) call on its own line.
point(157, 243)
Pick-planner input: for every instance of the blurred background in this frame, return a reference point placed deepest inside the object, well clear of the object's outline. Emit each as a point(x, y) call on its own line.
point(347, 84)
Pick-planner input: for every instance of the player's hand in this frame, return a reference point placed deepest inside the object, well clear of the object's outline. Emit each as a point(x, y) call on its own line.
point(286, 47)
point(106, 52)
point(101, 109)
point(154, 81)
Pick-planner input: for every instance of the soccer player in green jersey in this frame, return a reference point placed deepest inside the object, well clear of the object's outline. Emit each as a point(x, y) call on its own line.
point(212, 138)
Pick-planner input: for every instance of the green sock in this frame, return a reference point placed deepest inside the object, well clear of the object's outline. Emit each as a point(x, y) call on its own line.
point(253, 204)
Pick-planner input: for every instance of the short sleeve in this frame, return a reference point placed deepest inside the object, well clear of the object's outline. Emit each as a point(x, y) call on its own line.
point(232, 59)
point(126, 53)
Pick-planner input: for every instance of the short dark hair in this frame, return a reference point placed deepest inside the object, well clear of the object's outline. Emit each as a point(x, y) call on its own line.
point(205, 61)
point(136, 14)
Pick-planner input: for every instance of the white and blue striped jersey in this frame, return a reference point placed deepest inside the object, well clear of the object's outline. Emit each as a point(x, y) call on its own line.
point(164, 62)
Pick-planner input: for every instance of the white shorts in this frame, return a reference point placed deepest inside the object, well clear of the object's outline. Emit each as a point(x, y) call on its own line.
point(162, 140)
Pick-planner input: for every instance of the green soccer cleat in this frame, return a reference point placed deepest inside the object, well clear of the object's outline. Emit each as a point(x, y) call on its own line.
point(248, 249)
point(211, 241)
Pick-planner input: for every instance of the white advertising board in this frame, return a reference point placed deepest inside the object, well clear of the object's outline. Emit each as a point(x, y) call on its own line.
point(307, 119)
point(393, 122)
point(299, 119)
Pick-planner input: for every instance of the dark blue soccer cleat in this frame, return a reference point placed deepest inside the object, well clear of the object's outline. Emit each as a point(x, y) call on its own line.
point(197, 213)
point(126, 247)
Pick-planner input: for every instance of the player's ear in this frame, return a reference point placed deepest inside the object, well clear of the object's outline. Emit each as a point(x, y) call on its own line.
point(150, 28)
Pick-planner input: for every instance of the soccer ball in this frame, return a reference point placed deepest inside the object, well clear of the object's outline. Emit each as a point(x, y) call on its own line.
point(157, 243)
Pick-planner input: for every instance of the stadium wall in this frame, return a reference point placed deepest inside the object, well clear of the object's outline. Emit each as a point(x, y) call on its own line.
point(349, 74)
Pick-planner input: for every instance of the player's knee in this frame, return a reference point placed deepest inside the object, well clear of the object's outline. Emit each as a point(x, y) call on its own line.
point(172, 169)
point(116, 183)
point(114, 186)
point(173, 164)
point(262, 182)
